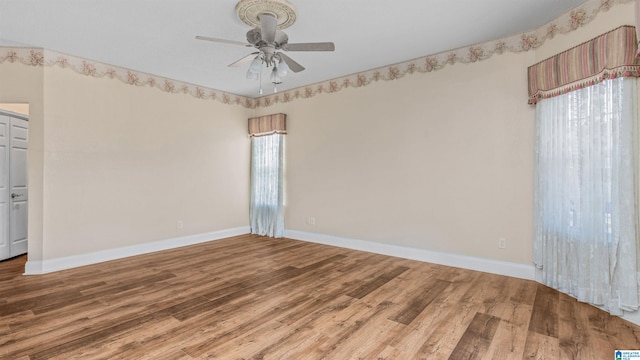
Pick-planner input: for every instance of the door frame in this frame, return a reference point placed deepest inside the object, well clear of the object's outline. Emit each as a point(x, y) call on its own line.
point(24, 117)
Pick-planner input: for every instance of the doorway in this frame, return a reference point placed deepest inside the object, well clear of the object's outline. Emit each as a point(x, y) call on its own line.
point(14, 129)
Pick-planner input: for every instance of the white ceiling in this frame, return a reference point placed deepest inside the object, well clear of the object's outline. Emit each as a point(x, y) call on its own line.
point(158, 36)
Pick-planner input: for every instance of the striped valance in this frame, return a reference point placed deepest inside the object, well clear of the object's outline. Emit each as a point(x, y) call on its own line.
point(610, 55)
point(268, 125)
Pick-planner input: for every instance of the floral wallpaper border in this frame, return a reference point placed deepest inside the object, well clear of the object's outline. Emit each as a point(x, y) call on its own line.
point(40, 57)
point(566, 23)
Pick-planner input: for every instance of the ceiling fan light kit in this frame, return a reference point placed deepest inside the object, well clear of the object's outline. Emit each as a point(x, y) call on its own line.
point(283, 69)
point(255, 68)
point(275, 77)
point(267, 19)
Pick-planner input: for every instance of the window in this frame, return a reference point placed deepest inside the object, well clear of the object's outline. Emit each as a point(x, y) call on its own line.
point(266, 213)
point(585, 196)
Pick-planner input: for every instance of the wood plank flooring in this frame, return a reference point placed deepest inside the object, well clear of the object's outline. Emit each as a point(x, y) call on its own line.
point(251, 297)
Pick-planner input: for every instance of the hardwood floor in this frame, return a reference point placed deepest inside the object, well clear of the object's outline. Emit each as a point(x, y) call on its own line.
point(251, 297)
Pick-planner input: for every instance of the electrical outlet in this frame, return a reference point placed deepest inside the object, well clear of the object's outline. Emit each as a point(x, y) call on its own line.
point(180, 224)
point(502, 243)
point(311, 220)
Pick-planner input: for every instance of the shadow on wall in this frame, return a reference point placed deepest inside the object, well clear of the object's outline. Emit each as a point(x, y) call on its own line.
point(22, 109)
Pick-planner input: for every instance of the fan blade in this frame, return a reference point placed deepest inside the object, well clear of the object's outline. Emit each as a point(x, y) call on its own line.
point(268, 24)
point(232, 42)
point(320, 46)
point(244, 60)
point(294, 66)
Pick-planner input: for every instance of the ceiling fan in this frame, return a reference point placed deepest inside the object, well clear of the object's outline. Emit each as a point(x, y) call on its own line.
point(268, 17)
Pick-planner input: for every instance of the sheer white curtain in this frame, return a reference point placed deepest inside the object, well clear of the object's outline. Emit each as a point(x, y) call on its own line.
point(267, 185)
point(585, 226)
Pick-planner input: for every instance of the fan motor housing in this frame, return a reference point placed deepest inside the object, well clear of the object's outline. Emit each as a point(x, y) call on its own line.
point(254, 37)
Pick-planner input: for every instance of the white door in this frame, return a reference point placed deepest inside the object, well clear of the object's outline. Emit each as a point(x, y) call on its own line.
point(5, 187)
point(19, 194)
point(13, 186)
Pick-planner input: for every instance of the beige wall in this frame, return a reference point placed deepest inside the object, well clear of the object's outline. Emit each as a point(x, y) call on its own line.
point(439, 161)
point(113, 165)
point(125, 163)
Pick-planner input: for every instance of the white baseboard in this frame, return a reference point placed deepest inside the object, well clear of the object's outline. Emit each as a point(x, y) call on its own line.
point(35, 267)
point(521, 271)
